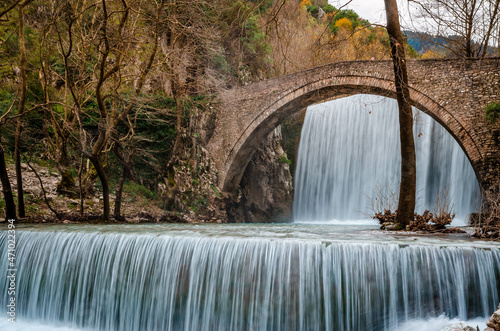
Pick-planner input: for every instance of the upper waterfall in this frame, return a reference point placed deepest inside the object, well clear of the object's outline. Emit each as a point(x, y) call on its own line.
point(349, 157)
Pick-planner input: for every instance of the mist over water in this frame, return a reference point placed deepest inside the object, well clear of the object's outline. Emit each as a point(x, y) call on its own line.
point(349, 157)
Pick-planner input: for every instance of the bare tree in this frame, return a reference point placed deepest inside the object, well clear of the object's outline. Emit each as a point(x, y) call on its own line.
point(23, 87)
point(113, 83)
point(10, 205)
point(465, 28)
point(10, 211)
point(407, 188)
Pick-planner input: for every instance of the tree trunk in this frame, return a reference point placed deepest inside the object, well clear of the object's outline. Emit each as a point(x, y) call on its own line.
point(407, 189)
point(119, 192)
point(491, 26)
point(80, 188)
point(20, 111)
point(105, 185)
point(10, 205)
point(125, 163)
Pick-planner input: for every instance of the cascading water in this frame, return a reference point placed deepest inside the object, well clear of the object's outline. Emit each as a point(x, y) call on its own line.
point(118, 281)
point(349, 159)
point(272, 277)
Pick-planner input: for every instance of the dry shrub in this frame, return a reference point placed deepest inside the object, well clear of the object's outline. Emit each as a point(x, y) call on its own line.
point(381, 206)
point(431, 222)
point(386, 217)
point(488, 224)
point(439, 219)
point(428, 222)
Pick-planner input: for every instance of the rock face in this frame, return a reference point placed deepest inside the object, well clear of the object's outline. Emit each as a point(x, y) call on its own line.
point(190, 186)
point(266, 189)
point(494, 321)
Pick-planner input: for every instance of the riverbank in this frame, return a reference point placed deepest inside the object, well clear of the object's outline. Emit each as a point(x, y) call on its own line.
point(45, 204)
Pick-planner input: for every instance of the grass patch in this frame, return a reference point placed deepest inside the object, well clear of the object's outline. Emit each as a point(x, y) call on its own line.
point(492, 114)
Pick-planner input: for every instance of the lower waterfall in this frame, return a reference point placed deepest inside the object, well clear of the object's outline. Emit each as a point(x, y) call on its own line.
point(123, 281)
point(349, 157)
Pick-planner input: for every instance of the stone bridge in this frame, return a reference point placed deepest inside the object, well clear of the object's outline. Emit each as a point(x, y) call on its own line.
point(453, 92)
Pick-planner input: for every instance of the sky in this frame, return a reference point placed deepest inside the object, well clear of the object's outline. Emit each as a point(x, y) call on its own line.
point(373, 10)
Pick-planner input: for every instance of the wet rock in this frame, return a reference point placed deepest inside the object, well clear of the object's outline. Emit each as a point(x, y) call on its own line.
point(459, 327)
point(393, 227)
point(494, 321)
point(386, 225)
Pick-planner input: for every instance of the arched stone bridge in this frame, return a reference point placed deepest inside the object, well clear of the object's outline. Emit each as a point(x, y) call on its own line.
point(453, 92)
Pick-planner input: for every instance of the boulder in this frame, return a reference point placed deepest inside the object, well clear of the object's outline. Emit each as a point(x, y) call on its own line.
point(494, 321)
point(459, 327)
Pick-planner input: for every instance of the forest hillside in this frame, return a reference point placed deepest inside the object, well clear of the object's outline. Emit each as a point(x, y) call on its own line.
point(110, 103)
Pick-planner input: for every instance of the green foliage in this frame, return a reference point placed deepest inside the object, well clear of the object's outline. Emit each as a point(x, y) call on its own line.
point(255, 41)
point(138, 190)
point(216, 190)
point(6, 98)
point(263, 5)
point(328, 8)
point(313, 9)
point(411, 52)
point(290, 132)
point(350, 15)
point(492, 114)
point(284, 159)
point(244, 53)
point(372, 37)
point(219, 62)
point(32, 203)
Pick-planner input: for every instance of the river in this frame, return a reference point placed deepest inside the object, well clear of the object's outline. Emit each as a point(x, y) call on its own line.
point(248, 277)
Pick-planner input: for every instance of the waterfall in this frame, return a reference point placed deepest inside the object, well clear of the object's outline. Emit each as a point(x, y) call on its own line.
point(349, 158)
point(121, 281)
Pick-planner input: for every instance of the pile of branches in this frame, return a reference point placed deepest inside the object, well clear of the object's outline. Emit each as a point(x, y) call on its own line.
point(430, 222)
point(489, 228)
point(488, 223)
point(427, 222)
point(386, 217)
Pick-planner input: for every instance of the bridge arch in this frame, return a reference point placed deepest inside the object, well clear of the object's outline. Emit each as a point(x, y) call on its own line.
point(287, 104)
